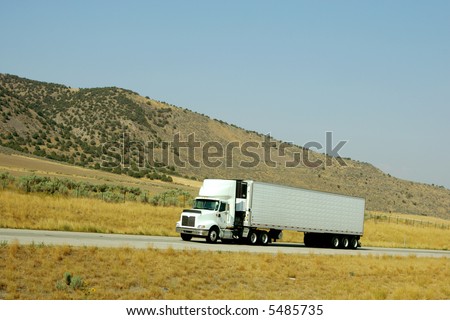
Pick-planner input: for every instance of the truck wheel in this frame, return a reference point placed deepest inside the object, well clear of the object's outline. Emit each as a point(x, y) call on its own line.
point(213, 235)
point(335, 242)
point(264, 238)
point(252, 238)
point(353, 243)
point(186, 237)
point(345, 242)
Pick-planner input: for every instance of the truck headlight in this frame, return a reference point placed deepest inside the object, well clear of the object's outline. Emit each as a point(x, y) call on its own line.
point(201, 226)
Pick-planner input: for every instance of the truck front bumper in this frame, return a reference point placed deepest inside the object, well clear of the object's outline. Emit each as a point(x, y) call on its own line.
point(193, 231)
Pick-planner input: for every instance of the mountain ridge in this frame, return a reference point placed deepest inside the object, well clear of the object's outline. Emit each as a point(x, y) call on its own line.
point(118, 130)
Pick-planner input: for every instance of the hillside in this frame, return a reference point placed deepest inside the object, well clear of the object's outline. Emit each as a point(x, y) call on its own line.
point(117, 130)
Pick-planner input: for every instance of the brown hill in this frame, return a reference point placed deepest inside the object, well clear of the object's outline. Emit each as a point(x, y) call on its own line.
point(117, 130)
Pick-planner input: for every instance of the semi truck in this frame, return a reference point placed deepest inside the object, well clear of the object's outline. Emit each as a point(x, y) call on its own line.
point(257, 213)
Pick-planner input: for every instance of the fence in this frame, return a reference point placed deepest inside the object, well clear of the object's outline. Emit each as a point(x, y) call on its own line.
point(411, 222)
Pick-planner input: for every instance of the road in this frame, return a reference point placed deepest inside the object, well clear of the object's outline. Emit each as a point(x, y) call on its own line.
point(142, 242)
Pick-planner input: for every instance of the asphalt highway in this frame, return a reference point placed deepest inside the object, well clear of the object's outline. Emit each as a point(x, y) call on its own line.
point(39, 237)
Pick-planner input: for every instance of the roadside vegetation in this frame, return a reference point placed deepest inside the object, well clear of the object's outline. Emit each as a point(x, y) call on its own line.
point(83, 189)
point(63, 272)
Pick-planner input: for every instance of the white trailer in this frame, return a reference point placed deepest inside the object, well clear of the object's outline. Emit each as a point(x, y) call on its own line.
point(257, 213)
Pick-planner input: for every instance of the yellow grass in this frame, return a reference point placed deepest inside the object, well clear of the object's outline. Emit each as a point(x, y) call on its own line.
point(32, 272)
point(399, 235)
point(36, 211)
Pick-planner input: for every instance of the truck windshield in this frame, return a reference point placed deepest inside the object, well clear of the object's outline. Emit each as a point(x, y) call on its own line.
point(206, 204)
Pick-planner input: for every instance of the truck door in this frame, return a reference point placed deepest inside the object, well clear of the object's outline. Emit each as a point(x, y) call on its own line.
point(223, 214)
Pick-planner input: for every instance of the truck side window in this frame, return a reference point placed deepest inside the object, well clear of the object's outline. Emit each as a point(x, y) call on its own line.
point(222, 206)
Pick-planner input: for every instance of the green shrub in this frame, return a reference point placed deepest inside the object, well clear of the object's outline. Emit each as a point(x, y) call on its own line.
point(76, 283)
point(69, 281)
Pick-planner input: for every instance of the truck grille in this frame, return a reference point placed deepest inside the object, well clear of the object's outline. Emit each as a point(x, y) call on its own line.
point(188, 221)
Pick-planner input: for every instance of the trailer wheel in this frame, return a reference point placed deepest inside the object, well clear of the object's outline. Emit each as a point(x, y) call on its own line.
point(252, 238)
point(353, 243)
point(186, 237)
point(264, 238)
point(335, 242)
point(213, 235)
point(344, 242)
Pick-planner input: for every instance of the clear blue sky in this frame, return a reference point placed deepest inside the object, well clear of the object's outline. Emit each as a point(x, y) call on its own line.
point(375, 73)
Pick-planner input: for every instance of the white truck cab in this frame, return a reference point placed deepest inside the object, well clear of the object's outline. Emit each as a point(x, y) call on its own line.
point(213, 211)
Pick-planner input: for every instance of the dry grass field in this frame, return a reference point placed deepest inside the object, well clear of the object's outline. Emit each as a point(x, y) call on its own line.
point(38, 211)
point(38, 272)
